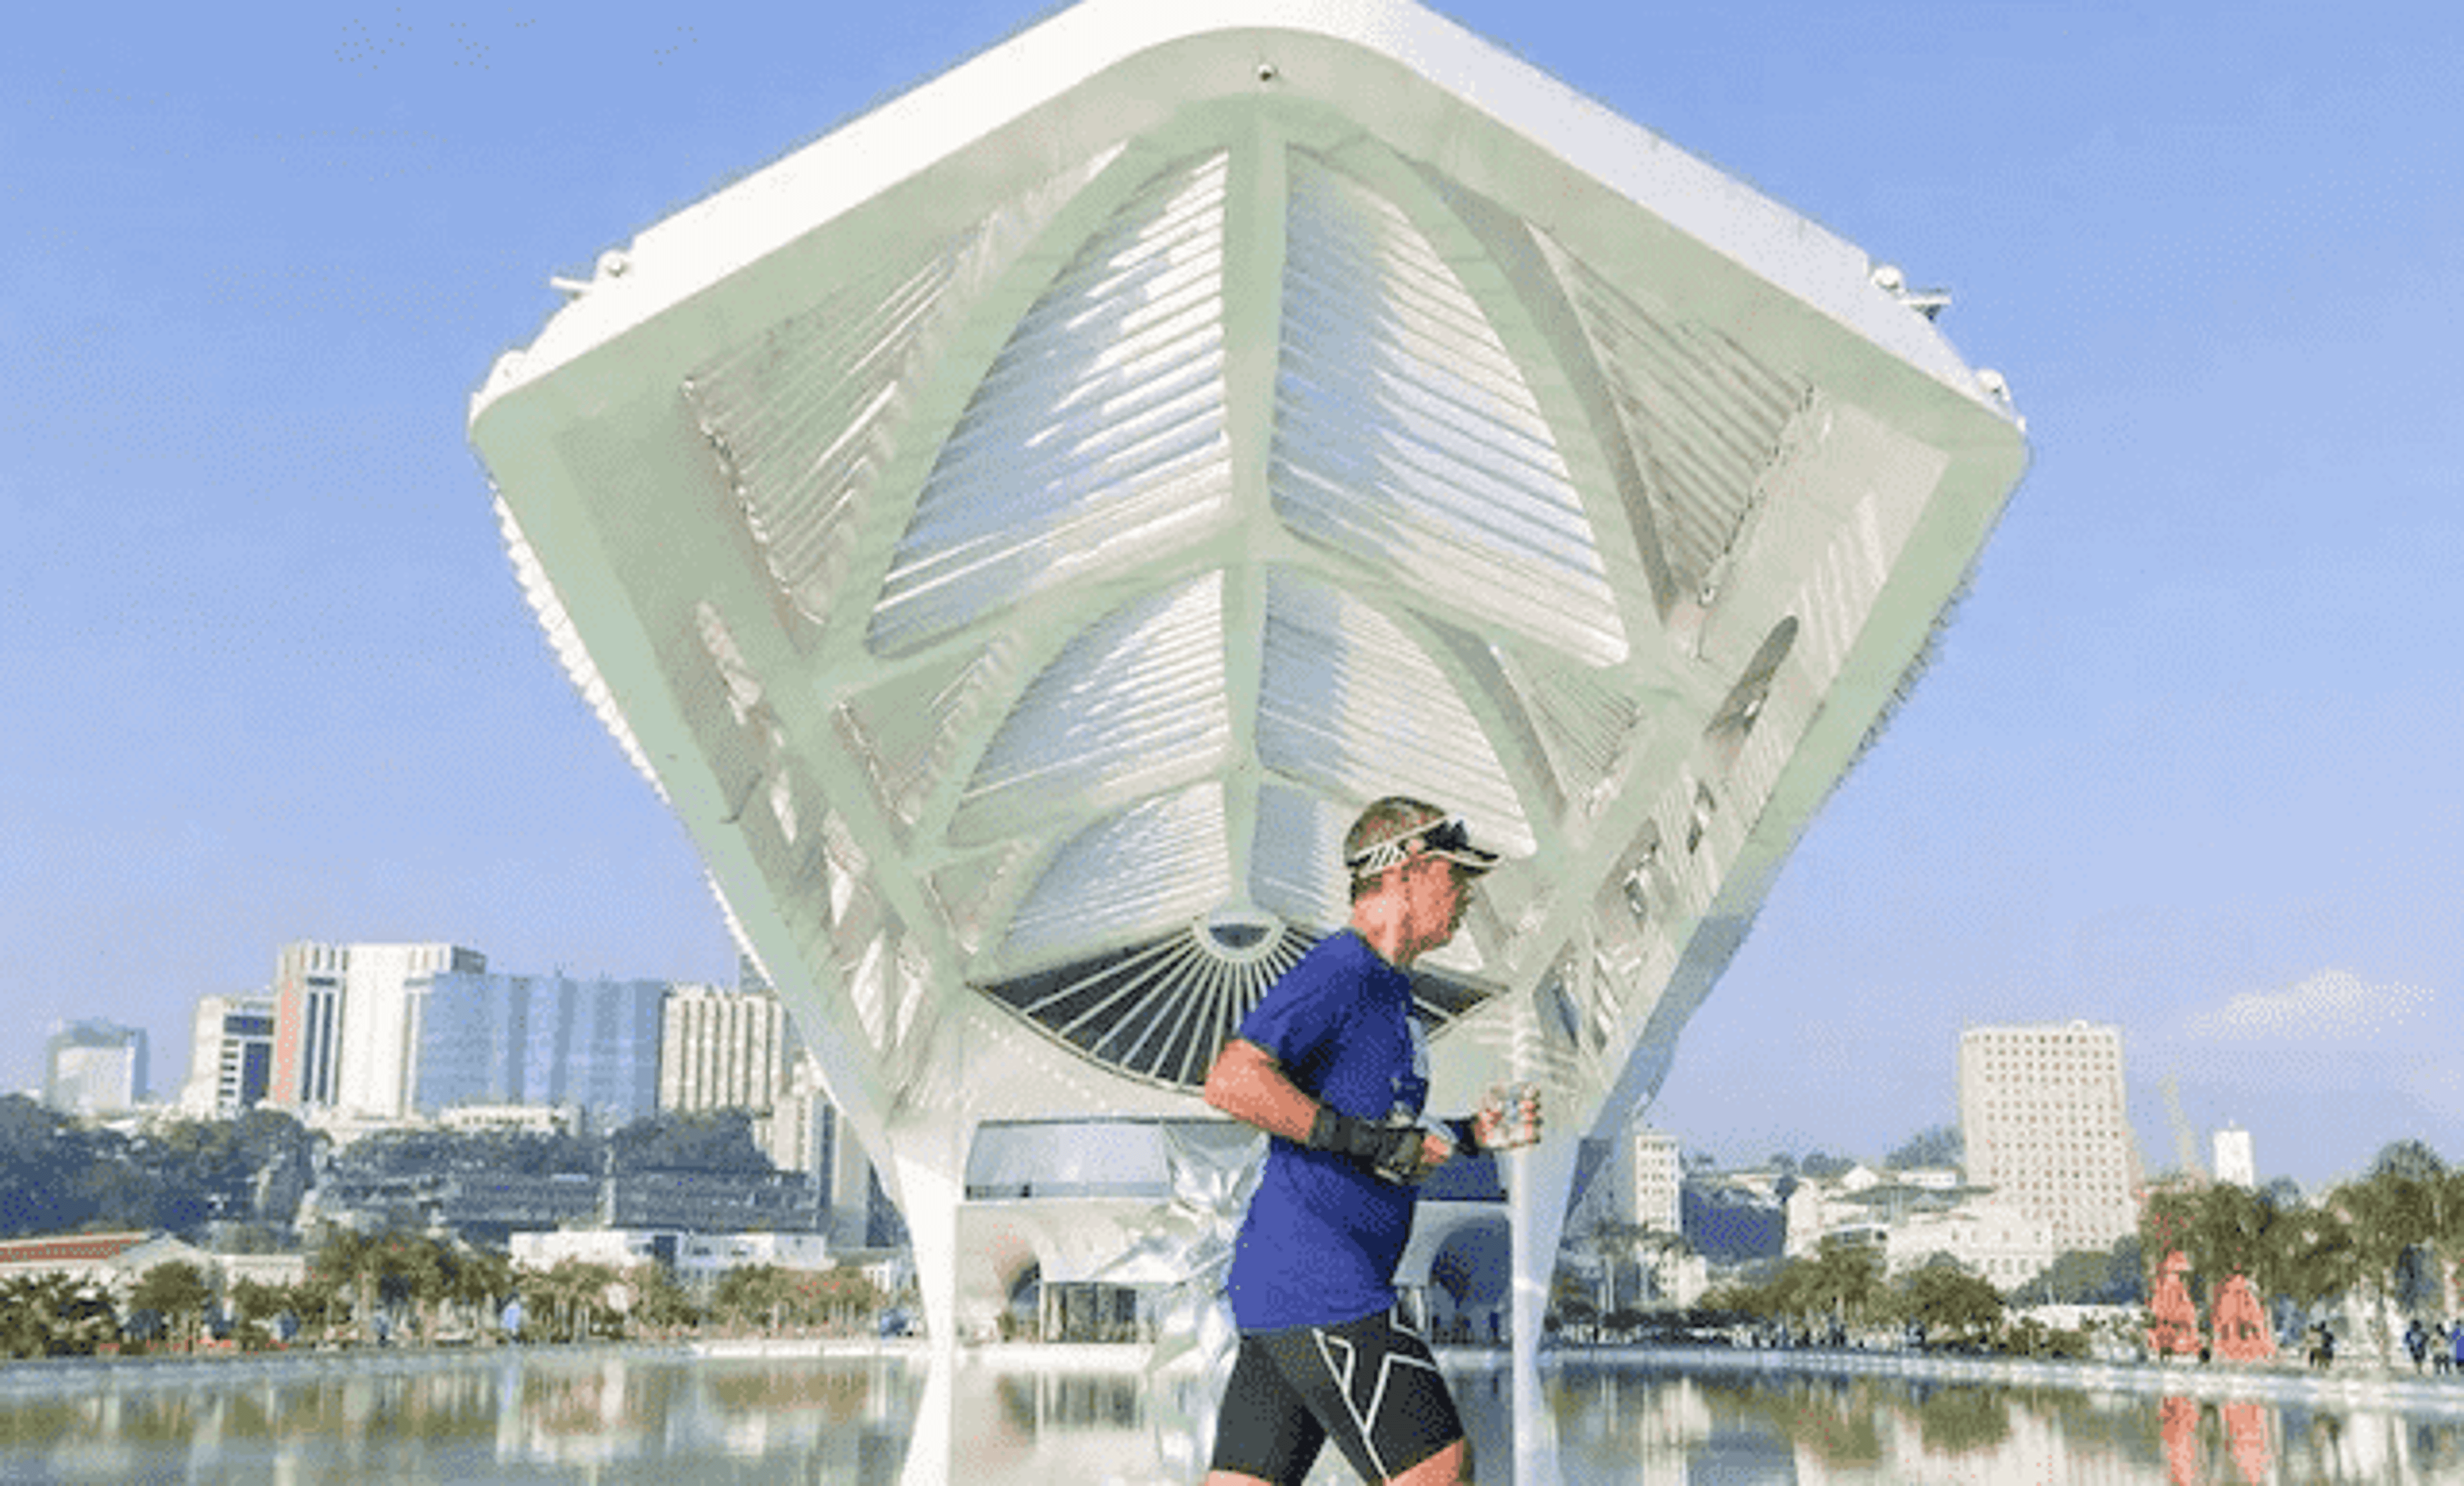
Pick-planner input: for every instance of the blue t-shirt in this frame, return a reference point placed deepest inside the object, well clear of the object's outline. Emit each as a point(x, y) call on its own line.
point(1323, 1234)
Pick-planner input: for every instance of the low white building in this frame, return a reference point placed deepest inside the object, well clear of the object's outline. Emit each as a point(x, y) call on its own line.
point(514, 1119)
point(702, 1258)
point(1913, 1216)
point(116, 1261)
point(1994, 1239)
point(694, 1258)
point(621, 1247)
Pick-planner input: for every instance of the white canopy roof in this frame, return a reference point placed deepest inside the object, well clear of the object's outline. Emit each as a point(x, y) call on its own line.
point(1020, 531)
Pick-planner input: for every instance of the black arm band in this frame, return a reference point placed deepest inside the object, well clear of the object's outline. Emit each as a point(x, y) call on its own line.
point(1341, 1133)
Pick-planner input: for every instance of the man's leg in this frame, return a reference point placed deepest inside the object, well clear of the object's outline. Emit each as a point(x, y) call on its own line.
point(1265, 1433)
point(1448, 1467)
point(1374, 1390)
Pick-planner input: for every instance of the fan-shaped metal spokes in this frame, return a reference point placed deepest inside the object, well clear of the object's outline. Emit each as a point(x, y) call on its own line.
point(1162, 1010)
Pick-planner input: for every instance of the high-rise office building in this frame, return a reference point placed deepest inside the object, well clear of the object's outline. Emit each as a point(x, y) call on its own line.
point(346, 1022)
point(2043, 1114)
point(231, 1055)
point(538, 1040)
point(94, 1067)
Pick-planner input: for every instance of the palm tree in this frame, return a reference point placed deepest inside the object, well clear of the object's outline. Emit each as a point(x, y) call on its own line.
point(754, 1295)
point(2314, 1257)
point(659, 1302)
point(253, 1304)
point(480, 1279)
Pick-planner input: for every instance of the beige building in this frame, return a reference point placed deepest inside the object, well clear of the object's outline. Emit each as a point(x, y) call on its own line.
point(2042, 1111)
point(734, 1049)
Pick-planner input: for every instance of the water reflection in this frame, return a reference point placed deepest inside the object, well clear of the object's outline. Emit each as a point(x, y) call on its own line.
point(1090, 1419)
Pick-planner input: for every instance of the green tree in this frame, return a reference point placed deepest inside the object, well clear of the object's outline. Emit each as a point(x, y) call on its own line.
point(43, 1161)
point(479, 1281)
point(718, 1140)
point(177, 1291)
point(1841, 1283)
point(660, 1304)
point(754, 1295)
point(1934, 1146)
point(847, 1298)
point(317, 1302)
point(1950, 1303)
point(2394, 1214)
point(2314, 1257)
point(252, 1305)
point(410, 1272)
point(575, 1297)
point(52, 1315)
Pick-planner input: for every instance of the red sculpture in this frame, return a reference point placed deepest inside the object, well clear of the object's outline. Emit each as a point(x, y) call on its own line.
point(2173, 1321)
point(2239, 1324)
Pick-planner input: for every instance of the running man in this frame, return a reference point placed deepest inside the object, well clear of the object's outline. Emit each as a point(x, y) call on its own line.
point(1332, 1063)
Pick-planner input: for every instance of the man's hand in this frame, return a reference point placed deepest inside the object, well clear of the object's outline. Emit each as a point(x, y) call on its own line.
point(1508, 1117)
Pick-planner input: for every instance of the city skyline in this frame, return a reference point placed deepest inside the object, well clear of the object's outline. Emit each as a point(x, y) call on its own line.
point(276, 682)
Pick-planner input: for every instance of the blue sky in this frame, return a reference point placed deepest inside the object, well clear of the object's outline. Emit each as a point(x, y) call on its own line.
point(2184, 763)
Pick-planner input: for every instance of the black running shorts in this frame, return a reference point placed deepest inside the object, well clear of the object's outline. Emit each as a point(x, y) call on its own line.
point(1369, 1384)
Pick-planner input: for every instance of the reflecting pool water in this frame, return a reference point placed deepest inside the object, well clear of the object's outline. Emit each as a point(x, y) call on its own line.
point(1093, 1417)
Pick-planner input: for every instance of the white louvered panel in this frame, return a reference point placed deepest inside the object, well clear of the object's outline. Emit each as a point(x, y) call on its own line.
point(906, 733)
point(799, 419)
point(1704, 417)
point(1586, 724)
point(1296, 858)
point(1135, 701)
point(1351, 705)
point(1160, 862)
point(1096, 439)
point(1405, 434)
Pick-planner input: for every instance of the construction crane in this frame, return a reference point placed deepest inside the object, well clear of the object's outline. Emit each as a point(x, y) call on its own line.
point(2186, 1146)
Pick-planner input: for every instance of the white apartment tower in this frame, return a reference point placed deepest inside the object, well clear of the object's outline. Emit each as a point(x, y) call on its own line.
point(721, 1049)
point(231, 1055)
point(2042, 1111)
point(724, 1049)
point(1651, 1180)
point(347, 1022)
point(2237, 1160)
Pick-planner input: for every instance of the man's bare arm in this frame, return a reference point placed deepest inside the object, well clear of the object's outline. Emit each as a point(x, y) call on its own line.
point(1249, 1085)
